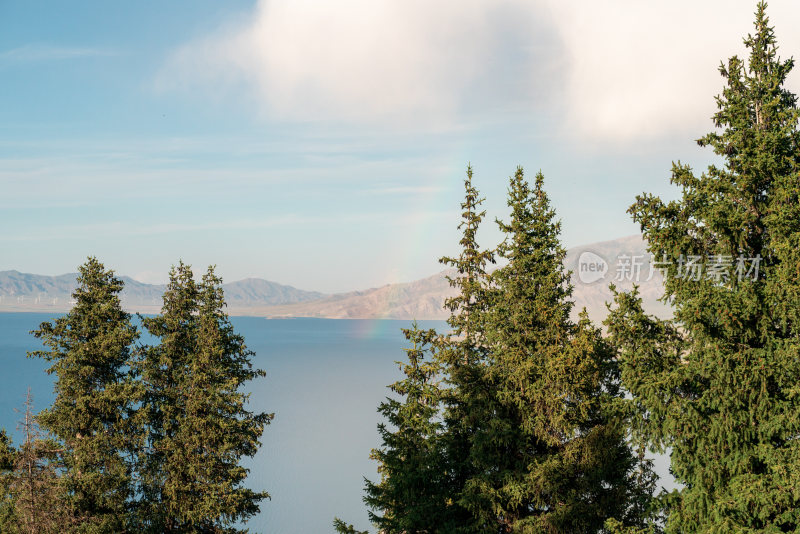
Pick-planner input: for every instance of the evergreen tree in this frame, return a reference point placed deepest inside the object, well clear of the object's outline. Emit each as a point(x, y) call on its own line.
point(7, 519)
point(38, 501)
point(719, 384)
point(90, 352)
point(198, 426)
point(343, 528)
point(462, 356)
point(413, 493)
point(552, 456)
point(162, 369)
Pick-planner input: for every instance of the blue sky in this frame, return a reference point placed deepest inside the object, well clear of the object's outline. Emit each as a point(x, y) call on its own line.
point(323, 145)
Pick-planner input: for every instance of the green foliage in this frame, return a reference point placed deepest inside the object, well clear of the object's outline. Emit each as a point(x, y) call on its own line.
point(719, 384)
point(469, 305)
point(552, 455)
point(198, 427)
point(527, 431)
point(39, 502)
point(462, 356)
point(90, 352)
point(343, 528)
point(7, 455)
point(414, 492)
point(614, 526)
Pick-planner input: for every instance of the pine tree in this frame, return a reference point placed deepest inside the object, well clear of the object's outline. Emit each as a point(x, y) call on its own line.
point(162, 369)
point(462, 354)
point(38, 501)
point(413, 493)
point(648, 350)
point(90, 352)
point(552, 456)
point(7, 452)
point(344, 528)
point(221, 430)
point(719, 385)
point(198, 426)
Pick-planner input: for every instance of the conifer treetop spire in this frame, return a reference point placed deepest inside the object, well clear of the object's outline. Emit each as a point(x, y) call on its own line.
point(470, 265)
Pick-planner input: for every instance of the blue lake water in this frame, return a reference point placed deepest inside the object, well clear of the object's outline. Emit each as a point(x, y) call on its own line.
point(324, 381)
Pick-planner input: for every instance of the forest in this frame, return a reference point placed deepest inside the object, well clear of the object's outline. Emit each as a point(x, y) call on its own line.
point(517, 418)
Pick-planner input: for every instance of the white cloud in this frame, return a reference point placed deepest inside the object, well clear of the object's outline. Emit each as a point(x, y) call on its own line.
point(648, 68)
point(614, 70)
point(356, 60)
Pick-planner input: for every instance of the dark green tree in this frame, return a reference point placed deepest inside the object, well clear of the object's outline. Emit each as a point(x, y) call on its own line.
point(344, 528)
point(90, 349)
point(462, 356)
point(552, 456)
point(163, 367)
point(719, 385)
point(7, 519)
point(413, 493)
point(198, 426)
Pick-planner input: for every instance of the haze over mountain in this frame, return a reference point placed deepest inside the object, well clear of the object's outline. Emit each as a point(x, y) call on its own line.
point(626, 262)
point(622, 261)
point(32, 292)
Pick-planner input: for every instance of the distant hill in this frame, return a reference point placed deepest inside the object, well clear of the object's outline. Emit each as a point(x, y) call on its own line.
point(32, 292)
point(593, 267)
point(621, 256)
point(421, 299)
point(424, 299)
point(258, 292)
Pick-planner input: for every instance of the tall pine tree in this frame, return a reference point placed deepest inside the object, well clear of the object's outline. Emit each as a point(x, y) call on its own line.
point(413, 493)
point(462, 356)
point(719, 386)
point(552, 456)
point(90, 351)
point(38, 501)
point(163, 367)
point(195, 414)
point(7, 453)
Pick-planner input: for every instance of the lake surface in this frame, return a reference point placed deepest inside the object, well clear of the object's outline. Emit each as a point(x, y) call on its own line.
point(324, 381)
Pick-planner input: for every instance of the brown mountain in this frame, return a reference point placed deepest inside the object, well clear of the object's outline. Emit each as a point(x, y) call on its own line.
point(423, 299)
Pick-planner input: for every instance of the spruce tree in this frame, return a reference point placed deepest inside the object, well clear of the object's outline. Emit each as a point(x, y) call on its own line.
point(462, 355)
point(90, 349)
point(552, 456)
point(162, 369)
point(38, 502)
point(221, 430)
point(413, 493)
point(344, 528)
point(7, 519)
point(196, 419)
point(719, 385)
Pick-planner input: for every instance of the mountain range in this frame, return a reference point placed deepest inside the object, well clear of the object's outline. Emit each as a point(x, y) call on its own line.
point(33, 292)
point(621, 261)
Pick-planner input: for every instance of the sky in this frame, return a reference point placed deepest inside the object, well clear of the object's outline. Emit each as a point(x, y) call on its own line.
point(324, 144)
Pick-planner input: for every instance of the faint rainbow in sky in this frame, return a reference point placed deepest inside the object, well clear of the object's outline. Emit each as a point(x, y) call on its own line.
point(437, 199)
